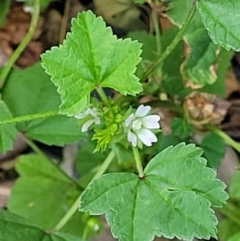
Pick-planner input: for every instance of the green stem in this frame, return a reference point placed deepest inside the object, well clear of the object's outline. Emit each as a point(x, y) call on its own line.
point(103, 96)
point(74, 207)
point(37, 150)
point(34, 147)
point(155, 20)
point(138, 162)
point(227, 139)
point(172, 45)
point(23, 44)
point(29, 117)
point(104, 165)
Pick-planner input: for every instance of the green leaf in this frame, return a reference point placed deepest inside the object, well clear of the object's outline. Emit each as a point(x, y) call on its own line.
point(139, 1)
point(174, 198)
point(4, 8)
point(199, 67)
point(235, 237)
point(224, 61)
point(234, 189)
point(14, 227)
point(213, 153)
point(49, 193)
point(172, 81)
point(181, 128)
point(227, 228)
point(166, 141)
point(91, 56)
point(85, 168)
point(43, 3)
point(220, 18)
point(124, 14)
point(8, 133)
point(148, 44)
point(30, 91)
point(179, 10)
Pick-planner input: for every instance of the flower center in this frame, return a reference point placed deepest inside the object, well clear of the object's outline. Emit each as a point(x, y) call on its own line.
point(137, 124)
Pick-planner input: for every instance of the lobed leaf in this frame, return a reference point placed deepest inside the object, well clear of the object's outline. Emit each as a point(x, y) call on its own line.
point(91, 56)
point(173, 200)
point(221, 19)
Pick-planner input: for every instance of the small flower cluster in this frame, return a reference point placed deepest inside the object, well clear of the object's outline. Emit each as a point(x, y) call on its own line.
point(139, 125)
point(92, 116)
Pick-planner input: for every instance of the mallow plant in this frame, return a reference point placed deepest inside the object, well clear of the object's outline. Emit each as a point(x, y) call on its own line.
point(91, 89)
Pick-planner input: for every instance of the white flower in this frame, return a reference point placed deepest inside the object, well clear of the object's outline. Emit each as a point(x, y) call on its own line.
point(91, 115)
point(139, 124)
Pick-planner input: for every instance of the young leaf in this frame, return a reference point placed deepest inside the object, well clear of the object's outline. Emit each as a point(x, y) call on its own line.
point(220, 18)
point(48, 203)
point(213, 152)
point(91, 56)
point(8, 133)
point(30, 91)
point(173, 200)
point(14, 227)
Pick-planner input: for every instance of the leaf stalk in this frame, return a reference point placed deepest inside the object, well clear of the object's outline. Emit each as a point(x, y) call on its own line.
point(23, 44)
point(227, 139)
point(103, 96)
point(24, 118)
point(75, 205)
point(138, 162)
point(171, 46)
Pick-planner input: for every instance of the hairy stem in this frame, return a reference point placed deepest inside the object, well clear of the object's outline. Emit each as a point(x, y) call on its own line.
point(103, 96)
point(24, 118)
point(75, 205)
point(23, 44)
point(138, 162)
point(172, 45)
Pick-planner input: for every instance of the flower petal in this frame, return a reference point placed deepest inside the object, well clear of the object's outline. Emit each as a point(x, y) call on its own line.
point(129, 120)
point(142, 111)
point(97, 120)
point(86, 125)
point(132, 138)
point(146, 136)
point(151, 121)
point(80, 115)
